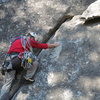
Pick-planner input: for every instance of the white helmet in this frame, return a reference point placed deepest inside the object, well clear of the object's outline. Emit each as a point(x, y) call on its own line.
point(33, 34)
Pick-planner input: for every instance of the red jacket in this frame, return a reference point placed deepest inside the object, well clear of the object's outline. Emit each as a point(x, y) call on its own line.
point(16, 46)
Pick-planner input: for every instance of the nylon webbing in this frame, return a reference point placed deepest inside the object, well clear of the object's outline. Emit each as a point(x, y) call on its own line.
point(24, 40)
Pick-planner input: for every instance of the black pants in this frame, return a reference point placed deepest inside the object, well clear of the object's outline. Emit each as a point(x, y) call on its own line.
point(16, 64)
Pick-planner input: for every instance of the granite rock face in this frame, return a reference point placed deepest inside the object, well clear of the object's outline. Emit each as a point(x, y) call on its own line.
point(70, 71)
point(21, 16)
point(93, 11)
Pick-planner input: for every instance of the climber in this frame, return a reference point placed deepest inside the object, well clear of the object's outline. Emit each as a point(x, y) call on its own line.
point(19, 57)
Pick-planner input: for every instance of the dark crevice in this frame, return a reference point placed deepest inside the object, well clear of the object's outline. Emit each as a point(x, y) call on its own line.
point(92, 20)
point(47, 36)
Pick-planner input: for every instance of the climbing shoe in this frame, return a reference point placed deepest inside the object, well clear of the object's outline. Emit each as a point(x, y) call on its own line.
point(29, 80)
